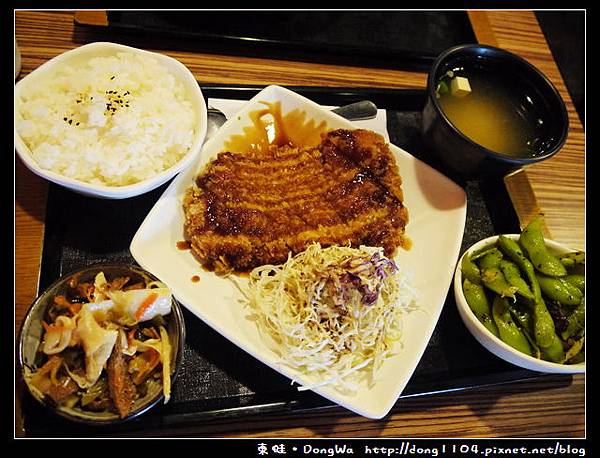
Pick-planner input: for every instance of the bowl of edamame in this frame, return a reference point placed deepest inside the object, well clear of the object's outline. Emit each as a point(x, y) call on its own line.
point(523, 298)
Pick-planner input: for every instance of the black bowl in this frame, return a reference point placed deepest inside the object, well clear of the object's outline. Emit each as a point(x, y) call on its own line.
point(459, 153)
point(31, 336)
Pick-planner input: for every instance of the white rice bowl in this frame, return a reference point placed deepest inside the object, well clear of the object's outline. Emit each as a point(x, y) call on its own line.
point(110, 119)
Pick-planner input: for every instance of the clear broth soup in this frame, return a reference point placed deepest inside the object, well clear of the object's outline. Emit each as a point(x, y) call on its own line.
point(500, 113)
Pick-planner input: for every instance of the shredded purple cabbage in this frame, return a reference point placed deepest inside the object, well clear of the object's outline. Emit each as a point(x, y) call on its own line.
point(376, 266)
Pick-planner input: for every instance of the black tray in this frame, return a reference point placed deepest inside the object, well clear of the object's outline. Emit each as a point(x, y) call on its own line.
point(399, 39)
point(217, 379)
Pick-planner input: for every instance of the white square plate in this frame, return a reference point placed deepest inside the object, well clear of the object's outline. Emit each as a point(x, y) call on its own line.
point(437, 210)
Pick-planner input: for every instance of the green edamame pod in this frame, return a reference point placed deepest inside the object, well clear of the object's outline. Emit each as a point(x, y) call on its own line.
point(559, 290)
point(512, 249)
point(576, 280)
point(533, 244)
point(481, 253)
point(492, 276)
point(509, 331)
point(545, 333)
point(492, 258)
point(470, 270)
point(575, 355)
point(478, 302)
point(513, 276)
point(493, 279)
point(523, 318)
point(571, 259)
point(576, 322)
point(522, 315)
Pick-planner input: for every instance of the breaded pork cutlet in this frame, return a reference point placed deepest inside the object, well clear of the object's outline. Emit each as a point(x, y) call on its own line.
point(249, 210)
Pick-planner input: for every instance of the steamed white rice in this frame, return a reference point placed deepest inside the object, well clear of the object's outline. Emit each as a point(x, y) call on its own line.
point(113, 120)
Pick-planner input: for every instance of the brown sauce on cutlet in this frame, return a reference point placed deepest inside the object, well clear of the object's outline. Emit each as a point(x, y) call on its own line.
point(184, 245)
point(272, 128)
point(285, 183)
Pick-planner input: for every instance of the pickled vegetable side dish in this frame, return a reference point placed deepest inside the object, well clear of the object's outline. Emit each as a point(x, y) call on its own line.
point(529, 297)
point(105, 345)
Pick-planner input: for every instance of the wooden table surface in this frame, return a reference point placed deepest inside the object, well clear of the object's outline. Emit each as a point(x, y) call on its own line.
point(550, 406)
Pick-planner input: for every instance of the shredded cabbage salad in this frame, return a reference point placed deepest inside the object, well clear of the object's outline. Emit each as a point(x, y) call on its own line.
point(334, 313)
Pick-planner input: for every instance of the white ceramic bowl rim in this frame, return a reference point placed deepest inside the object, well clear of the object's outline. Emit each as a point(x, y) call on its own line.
point(529, 361)
point(104, 190)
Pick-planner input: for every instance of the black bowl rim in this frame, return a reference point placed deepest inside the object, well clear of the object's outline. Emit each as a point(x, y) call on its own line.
point(507, 54)
point(179, 320)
